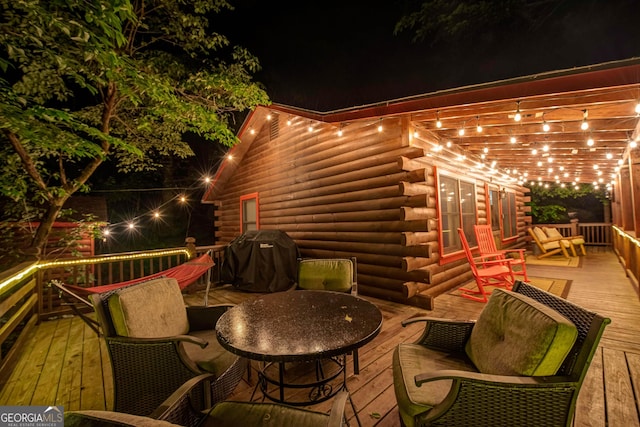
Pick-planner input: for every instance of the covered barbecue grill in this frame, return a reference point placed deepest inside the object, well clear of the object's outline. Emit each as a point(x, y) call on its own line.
point(261, 261)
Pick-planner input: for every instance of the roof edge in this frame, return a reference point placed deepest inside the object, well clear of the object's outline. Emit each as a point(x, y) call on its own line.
point(408, 103)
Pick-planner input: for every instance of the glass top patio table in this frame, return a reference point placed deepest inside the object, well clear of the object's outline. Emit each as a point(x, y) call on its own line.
point(301, 325)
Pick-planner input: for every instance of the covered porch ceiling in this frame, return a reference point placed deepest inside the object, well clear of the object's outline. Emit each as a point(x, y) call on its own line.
point(572, 137)
point(605, 97)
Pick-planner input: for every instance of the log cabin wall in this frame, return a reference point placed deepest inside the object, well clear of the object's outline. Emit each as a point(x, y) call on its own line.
point(368, 193)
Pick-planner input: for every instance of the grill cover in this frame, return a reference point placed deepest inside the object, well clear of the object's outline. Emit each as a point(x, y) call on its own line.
point(261, 261)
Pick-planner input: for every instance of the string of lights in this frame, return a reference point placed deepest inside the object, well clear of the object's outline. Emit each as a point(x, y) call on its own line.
point(182, 197)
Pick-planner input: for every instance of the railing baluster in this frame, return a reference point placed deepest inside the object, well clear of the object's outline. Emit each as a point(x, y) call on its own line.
point(595, 234)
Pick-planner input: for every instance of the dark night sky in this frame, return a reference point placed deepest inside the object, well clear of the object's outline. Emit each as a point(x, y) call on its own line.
point(336, 54)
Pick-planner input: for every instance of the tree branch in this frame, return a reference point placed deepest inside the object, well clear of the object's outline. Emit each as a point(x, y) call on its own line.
point(63, 173)
point(25, 158)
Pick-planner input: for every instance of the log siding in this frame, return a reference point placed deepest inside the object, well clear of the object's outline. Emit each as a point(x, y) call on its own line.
point(367, 193)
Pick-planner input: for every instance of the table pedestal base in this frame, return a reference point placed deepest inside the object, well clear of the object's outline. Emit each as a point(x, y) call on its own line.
point(275, 386)
point(278, 385)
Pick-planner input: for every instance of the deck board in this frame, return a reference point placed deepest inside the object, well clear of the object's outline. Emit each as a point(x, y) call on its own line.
point(64, 362)
point(69, 386)
point(620, 399)
point(47, 386)
point(590, 408)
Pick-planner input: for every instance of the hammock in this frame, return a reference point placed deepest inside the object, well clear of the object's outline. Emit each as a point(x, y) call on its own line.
point(185, 274)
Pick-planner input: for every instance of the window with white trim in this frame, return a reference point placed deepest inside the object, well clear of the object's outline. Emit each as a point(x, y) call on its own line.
point(457, 200)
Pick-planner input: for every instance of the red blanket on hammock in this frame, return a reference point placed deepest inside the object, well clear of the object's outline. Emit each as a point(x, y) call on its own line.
point(185, 274)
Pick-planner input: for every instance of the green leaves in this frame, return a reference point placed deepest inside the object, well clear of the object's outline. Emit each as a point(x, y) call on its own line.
point(86, 81)
point(448, 20)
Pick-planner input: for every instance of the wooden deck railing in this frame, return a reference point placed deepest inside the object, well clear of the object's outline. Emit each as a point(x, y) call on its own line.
point(26, 295)
point(18, 312)
point(594, 233)
point(627, 247)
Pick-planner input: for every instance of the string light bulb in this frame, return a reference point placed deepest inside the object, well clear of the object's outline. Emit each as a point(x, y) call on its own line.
point(545, 126)
point(478, 127)
point(438, 122)
point(518, 115)
point(380, 126)
point(585, 124)
point(638, 108)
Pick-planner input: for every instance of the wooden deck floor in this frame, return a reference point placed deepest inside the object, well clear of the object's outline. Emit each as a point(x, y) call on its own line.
point(66, 364)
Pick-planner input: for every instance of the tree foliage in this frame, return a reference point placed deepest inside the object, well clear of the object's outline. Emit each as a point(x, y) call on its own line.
point(449, 20)
point(569, 192)
point(84, 81)
point(551, 204)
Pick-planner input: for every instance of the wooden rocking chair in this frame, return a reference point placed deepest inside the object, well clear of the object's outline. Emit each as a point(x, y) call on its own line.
point(487, 247)
point(572, 242)
point(486, 271)
point(548, 246)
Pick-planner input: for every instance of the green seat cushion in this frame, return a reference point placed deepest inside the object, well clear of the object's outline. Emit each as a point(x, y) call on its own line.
point(152, 309)
point(410, 360)
point(213, 358)
point(109, 419)
point(516, 335)
point(238, 414)
point(325, 274)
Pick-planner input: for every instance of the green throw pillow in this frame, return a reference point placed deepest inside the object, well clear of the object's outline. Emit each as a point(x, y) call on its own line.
point(516, 335)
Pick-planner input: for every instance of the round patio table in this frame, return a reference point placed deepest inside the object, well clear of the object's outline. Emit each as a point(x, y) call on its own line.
point(299, 326)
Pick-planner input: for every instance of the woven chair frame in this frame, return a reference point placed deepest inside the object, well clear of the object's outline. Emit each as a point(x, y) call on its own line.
point(477, 399)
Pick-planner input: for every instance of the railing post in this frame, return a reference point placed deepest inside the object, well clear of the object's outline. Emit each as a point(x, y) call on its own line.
point(39, 290)
point(574, 226)
point(190, 243)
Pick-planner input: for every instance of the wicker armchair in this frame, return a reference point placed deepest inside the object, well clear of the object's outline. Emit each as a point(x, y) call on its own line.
point(156, 344)
point(185, 407)
point(442, 379)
